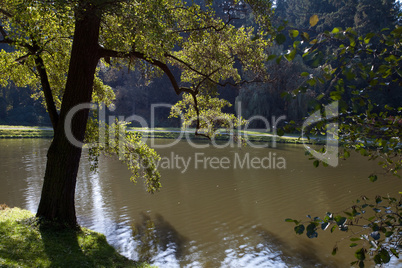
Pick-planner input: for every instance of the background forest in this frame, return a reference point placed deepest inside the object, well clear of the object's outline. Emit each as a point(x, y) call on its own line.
point(135, 93)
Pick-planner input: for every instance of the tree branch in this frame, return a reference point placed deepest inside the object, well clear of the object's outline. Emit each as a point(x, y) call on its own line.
point(51, 107)
point(6, 13)
point(34, 50)
point(111, 53)
point(206, 27)
point(108, 53)
point(3, 32)
point(104, 53)
point(210, 79)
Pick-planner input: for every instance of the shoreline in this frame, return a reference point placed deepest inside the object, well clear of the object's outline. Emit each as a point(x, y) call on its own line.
point(34, 132)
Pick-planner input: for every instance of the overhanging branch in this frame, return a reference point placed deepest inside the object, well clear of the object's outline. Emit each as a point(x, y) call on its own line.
point(208, 76)
point(108, 53)
point(104, 53)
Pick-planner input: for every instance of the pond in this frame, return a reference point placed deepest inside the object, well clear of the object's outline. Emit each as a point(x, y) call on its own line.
point(226, 211)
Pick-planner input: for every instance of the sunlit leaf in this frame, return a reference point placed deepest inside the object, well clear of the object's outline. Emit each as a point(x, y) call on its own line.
point(313, 20)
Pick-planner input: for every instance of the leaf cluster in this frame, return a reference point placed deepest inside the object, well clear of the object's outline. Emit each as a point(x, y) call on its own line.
point(206, 115)
point(354, 71)
point(115, 140)
point(374, 226)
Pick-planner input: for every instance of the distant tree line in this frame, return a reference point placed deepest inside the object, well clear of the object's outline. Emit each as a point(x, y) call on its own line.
point(363, 16)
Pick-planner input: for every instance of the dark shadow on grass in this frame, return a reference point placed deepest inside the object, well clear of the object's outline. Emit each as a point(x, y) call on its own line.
point(79, 248)
point(62, 247)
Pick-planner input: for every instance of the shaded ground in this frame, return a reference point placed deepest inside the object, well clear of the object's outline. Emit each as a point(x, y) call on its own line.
point(24, 243)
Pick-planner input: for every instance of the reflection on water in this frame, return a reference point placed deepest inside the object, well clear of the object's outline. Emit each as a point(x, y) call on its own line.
point(204, 217)
point(154, 236)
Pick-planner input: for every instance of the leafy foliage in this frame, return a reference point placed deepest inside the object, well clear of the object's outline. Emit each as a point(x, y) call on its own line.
point(355, 69)
point(115, 140)
point(375, 227)
point(366, 125)
point(206, 114)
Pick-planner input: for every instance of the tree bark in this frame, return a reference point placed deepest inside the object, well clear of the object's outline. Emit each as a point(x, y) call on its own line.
point(63, 158)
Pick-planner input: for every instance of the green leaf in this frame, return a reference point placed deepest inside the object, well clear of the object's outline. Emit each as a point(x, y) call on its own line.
point(340, 220)
point(304, 74)
point(388, 234)
point(305, 37)
point(299, 229)
point(389, 108)
point(293, 33)
point(394, 252)
point(313, 20)
point(334, 251)
point(280, 39)
point(352, 245)
point(271, 57)
point(316, 163)
point(368, 37)
point(373, 178)
point(385, 257)
point(311, 231)
point(360, 255)
point(291, 55)
point(336, 95)
point(312, 82)
point(377, 259)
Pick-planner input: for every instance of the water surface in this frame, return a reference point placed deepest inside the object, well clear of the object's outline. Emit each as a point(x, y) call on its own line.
point(211, 214)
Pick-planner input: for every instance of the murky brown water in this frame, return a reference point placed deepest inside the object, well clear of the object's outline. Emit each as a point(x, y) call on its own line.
point(213, 214)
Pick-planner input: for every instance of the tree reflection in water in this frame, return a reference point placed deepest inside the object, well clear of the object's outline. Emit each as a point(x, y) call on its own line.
point(156, 235)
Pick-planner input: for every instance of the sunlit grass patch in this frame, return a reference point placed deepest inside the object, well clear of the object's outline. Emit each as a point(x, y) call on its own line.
point(8, 132)
point(25, 243)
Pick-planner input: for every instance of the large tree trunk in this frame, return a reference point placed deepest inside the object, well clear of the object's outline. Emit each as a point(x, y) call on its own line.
point(63, 158)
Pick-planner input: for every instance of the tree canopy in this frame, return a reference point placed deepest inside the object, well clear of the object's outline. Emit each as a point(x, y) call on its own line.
point(57, 46)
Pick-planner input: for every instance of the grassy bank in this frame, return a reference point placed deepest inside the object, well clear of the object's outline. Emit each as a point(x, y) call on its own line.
point(158, 133)
point(23, 243)
point(19, 132)
point(252, 136)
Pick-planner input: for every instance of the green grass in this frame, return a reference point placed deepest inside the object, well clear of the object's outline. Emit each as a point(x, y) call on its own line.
point(25, 243)
point(12, 132)
point(157, 133)
point(252, 136)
